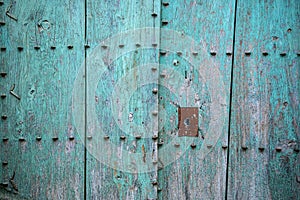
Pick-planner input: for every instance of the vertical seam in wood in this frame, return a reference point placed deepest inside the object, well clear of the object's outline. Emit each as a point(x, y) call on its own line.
point(85, 99)
point(230, 99)
point(158, 86)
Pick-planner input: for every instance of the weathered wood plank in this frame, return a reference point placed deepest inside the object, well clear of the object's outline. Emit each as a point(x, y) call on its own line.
point(2, 32)
point(265, 105)
point(43, 152)
point(199, 71)
point(122, 97)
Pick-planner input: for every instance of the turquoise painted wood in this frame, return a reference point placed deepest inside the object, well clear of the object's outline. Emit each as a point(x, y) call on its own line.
point(122, 100)
point(264, 141)
point(90, 99)
point(200, 171)
point(40, 148)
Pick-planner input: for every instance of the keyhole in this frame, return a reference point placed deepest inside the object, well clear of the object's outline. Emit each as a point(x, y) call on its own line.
point(186, 122)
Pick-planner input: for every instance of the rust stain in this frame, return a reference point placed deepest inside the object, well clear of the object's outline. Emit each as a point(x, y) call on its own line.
point(144, 153)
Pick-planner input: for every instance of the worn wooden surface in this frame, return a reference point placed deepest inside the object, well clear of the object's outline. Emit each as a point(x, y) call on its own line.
point(42, 146)
point(196, 175)
point(264, 161)
point(135, 100)
point(43, 78)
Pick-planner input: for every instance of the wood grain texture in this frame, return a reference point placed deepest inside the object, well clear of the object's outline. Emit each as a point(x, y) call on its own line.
point(42, 154)
point(50, 168)
point(104, 20)
point(210, 24)
point(264, 162)
point(2, 32)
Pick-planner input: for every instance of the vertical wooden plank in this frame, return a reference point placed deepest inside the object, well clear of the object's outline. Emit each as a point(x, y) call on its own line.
point(121, 95)
point(44, 50)
point(264, 159)
point(2, 80)
point(195, 68)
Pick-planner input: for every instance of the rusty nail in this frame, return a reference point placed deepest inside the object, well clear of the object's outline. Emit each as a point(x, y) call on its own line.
point(3, 48)
point(38, 138)
point(165, 3)
point(283, 54)
point(195, 53)
point(244, 147)
point(155, 90)
point(163, 75)
point(4, 184)
point(87, 46)
point(163, 53)
point(213, 53)
point(179, 53)
point(228, 53)
point(53, 47)
point(20, 48)
point(4, 117)
point(104, 46)
point(154, 68)
point(5, 139)
point(247, 53)
point(224, 146)
point(154, 137)
point(71, 137)
point(164, 22)
point(3, 74)
point(154, 15)
point(70, 46)
point(22, 139)
point(15, 95)
point(261, 148)
point(3, 96)
point(4, 163)
point(138, 137)
point(121, 45)
point(37, 47)
point(278, 149)
point(154, 182)
point(122, 137)
point(155, 113)
point(11, 16)
point(55, 138)
point(89, 137)
point(106, 137)
point(264, 53)
point(193, 145)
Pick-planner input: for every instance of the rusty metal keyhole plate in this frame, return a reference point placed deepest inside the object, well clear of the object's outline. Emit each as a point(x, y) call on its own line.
point(188, 121)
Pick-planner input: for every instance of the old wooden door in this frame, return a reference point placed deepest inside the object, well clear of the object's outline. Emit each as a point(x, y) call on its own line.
point(149, 99)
